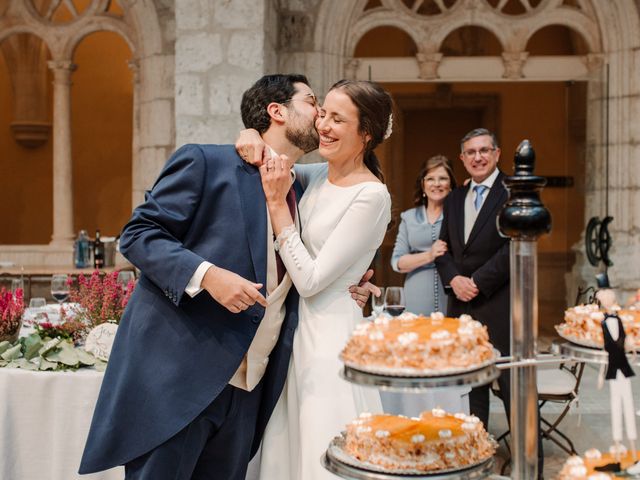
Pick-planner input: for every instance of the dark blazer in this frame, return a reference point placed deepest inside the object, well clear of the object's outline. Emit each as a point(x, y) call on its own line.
point(484, 257)
point(174, 354)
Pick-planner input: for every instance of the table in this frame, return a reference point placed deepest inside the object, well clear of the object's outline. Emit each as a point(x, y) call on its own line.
point(44, 420)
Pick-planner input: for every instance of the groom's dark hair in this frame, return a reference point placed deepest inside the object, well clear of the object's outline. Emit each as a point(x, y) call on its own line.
point(270, 88)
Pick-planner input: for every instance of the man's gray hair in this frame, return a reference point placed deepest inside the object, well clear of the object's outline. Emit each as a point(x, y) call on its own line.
point(478, 132)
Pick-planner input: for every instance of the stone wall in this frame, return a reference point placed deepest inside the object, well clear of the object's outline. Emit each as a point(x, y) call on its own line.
point(222, 47)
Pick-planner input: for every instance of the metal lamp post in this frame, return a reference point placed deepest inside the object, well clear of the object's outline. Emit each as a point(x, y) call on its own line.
point(524, 218)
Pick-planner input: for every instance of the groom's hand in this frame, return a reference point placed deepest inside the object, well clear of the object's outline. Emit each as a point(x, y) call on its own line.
point(361, 292)
point(231, 290)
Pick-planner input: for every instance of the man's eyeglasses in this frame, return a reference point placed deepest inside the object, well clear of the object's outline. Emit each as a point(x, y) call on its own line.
point(484, 152)
point(310, 100)
point(434, 180)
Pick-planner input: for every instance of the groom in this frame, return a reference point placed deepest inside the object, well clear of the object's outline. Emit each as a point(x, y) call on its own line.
point(194, 375)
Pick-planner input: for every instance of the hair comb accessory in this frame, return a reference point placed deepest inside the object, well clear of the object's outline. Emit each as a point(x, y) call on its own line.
point(389, 130)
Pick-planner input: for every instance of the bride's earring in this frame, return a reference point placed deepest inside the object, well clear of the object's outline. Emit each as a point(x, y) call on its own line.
point(424, 194)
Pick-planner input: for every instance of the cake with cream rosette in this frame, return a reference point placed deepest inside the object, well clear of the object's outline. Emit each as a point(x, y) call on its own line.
point(583, 325)
point(583, 468)
point(436, 441)
point(411, 344)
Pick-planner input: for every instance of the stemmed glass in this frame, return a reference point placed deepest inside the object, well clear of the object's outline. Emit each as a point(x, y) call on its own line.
point(59, 288)
point(394, 301)
point(124, 277)
point(17, 283)
point(377, 303)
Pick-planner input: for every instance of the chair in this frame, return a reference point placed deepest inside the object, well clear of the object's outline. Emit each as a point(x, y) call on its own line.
point(555, 385)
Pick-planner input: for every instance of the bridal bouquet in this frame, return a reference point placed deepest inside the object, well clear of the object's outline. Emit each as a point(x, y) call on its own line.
point(100, 298)
point(11, 310)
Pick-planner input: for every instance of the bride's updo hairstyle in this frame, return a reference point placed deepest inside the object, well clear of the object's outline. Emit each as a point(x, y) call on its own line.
point(374, 106)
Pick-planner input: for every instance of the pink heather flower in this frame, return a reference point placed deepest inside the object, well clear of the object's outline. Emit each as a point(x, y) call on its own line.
point(11, 310)
point(101, 297)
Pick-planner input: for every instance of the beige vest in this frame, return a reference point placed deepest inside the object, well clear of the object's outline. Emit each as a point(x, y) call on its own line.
point(255, 361)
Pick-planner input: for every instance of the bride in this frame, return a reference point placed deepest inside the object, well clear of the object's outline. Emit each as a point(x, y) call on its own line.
point(344, 214)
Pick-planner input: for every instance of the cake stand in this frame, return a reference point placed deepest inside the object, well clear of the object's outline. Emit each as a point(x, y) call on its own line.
point(588, 354)
point(343, 470)
point(474, 378)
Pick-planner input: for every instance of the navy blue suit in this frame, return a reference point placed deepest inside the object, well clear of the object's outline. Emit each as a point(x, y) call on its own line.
point(173, 354)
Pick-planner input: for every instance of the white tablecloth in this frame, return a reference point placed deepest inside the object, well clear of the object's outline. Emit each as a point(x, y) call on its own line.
point(44, 421)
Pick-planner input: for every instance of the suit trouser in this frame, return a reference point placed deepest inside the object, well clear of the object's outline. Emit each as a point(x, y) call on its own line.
point(479, 406)
point(214, 446)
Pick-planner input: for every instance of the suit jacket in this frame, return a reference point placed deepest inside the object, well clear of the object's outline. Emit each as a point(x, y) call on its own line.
point(174, 354)
point(484, 257)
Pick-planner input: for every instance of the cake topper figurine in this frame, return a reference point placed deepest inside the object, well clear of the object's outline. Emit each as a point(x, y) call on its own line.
point(618, 375)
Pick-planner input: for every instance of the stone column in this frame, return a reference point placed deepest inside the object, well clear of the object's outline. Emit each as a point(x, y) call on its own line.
point(134, 65)
point(62, 162)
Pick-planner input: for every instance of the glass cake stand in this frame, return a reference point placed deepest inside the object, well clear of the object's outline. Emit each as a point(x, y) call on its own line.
point(588, 354)
point(474, 378)
point(349, 472)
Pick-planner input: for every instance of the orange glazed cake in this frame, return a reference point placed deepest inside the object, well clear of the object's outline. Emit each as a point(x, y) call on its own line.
point(413, 344)
point(435, 441)
point(583, 325)
point(583, 468)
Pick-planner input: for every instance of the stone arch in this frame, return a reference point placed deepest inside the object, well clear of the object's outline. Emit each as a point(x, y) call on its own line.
point(490, 31)
point(139, 27)
point(380, 19)
point(556, 28)
point(103, 25)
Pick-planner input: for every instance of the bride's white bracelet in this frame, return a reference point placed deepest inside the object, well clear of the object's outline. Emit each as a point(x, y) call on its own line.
point(284, 235)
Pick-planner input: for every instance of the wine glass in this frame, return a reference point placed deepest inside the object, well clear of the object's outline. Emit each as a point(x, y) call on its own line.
point(60, 288)
point(38, 303)
point(16, 283)
point(377, 303)
point(37, 307)
point(394, 301)
point(124, 277)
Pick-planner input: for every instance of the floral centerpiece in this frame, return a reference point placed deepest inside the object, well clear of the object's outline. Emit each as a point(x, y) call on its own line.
point(11, 310)
point(96, 299)
point(100, 298)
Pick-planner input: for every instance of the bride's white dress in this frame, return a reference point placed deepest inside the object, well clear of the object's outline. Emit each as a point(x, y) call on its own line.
point(341, 229)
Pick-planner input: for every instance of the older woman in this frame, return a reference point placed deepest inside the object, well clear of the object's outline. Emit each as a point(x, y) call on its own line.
point(417, 244)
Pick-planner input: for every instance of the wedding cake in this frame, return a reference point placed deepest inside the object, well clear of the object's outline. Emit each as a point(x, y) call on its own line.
point(437, 441)
point(584, 468)
point(411, 344)
point(583, 325)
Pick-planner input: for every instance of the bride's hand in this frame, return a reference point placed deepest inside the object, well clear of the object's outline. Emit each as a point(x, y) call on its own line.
point(276, 179)
point(252, 148)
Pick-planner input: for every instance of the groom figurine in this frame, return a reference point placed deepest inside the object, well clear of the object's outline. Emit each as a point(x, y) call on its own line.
point(194, 375)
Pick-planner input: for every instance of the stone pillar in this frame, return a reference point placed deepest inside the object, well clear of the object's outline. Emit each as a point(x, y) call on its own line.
point(622, 176)
point(63, 233)
point(222, 47)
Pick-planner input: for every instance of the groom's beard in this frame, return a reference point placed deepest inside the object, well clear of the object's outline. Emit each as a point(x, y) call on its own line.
point(306, 139)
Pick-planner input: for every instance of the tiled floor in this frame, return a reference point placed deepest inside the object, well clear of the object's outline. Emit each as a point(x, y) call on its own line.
point(588, 424)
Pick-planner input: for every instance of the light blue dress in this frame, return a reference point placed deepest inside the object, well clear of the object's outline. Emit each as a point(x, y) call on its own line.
point(423, 288)
point(424, 294)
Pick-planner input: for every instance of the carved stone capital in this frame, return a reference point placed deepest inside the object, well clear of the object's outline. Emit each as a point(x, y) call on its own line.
point(296, 31)
point(134, 66)
point(62, 65)
point(513, 64)
point(351, 66)
point(593, 61)
point(62, 70)
point(429, 63)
